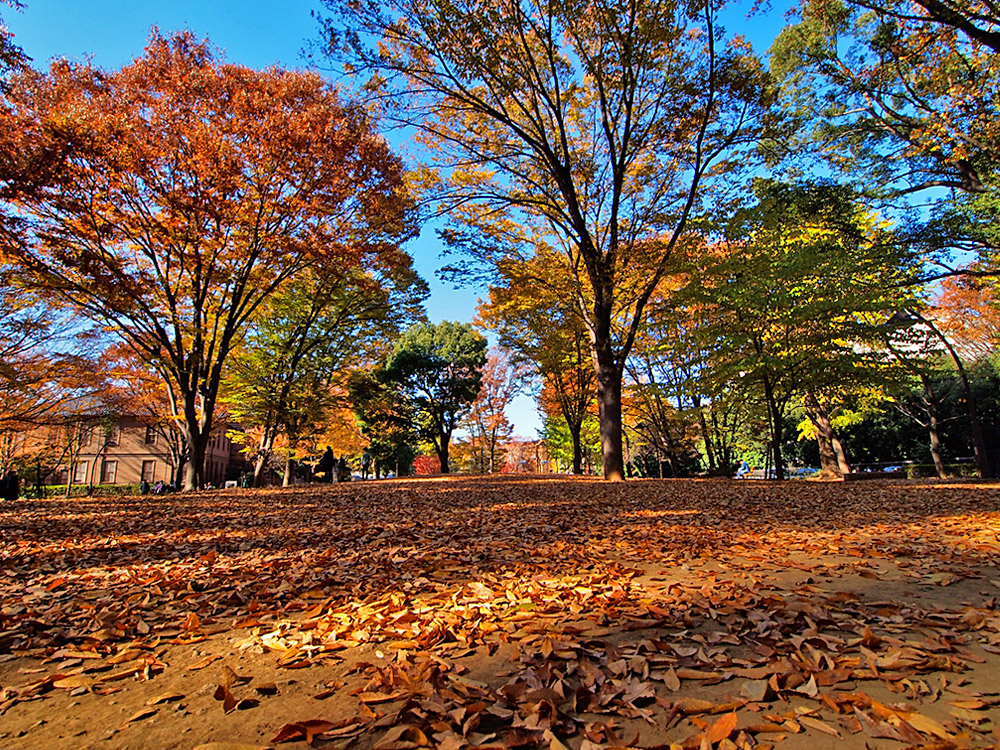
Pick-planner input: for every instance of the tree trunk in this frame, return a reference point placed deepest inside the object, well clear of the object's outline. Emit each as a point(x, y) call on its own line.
point(194, 478)
point(774, 418)
point(842, 462)
point(258, 470)
point(932, 427)
point(286, 480)
point(609, 409)
point(975, 425)
point(195, 433)
point(827, 458)
point(705, 434)
point(182, 461)
point(442, 451)
point(263, 454)
point(574, 433)
point(833, 461)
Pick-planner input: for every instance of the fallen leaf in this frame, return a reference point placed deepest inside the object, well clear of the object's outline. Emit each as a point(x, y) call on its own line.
point(722, 728)
point(306, 730)
point(822, 726)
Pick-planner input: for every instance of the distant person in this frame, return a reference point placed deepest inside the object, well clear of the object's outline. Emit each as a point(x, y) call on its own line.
point(11, 486)
point(144, 487)
point(343, 470)
point(366, 463)
point(743, 470)
point(326, 466)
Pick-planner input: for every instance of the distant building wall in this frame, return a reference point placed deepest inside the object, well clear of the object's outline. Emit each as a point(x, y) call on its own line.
point(132, 451)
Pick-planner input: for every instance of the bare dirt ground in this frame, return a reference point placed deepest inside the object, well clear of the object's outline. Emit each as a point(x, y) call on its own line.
point(507, 613)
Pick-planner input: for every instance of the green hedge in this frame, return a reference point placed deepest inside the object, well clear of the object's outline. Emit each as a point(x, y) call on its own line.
point(921, 471)
point(55, 491)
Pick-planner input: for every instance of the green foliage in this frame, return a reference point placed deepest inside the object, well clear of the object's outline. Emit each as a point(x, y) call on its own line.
point(559, 441)
point(439, 370)
point(796, 299)
point(584, 130)
point(385, 418)
point(891, 435)
point(306, 339)
point(896, 95)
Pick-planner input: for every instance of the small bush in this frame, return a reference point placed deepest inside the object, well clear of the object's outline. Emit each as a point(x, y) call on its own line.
point(922, 471)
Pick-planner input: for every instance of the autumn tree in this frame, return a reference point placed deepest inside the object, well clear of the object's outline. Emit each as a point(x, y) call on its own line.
point(439, 370)
point(968, 313)
point(589, 128)
point(305, 339)
point(12, 57)
point(533, 315)
point(796, 301)
point(503, 378)
point(191, 190)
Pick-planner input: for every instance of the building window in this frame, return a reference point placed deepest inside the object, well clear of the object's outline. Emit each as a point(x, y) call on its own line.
point(150, 435)
point(109, 472)
point(148, 470)
point(80, 473)
point(62, 476)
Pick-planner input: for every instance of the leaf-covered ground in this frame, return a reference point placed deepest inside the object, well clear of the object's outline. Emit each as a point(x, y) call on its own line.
point(507, 613)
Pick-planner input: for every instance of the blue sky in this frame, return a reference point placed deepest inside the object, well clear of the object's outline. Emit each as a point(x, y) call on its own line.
point(257, 33)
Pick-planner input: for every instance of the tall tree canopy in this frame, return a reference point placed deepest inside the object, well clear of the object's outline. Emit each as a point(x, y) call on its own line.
point(189, 190)
point(903, 95)
point(439, 369)
point(587, 127)
point(304, 340)
point(794, 304)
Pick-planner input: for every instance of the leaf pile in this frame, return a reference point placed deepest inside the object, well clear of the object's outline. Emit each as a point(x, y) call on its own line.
point(528, 613)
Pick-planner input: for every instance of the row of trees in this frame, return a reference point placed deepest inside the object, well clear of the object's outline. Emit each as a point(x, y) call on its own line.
point(600, 166)
point(594, 159)
point(802, 314)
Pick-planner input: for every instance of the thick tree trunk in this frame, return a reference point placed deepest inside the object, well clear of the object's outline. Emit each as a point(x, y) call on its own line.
point(833, 461)
point(442, 451)
point(258, 470)
point(195, 433)
point(838, 449)
point(609, 405)
point(827, 458)
point(263, 454)
point(286, 480)
point(195, 478)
